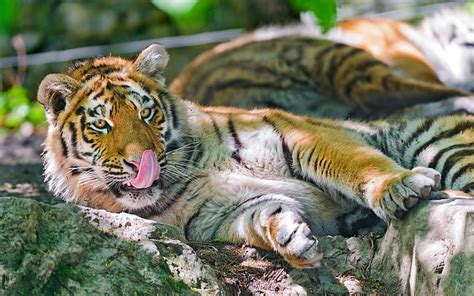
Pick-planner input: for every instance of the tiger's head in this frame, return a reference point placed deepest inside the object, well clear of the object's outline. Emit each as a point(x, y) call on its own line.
point(108, 120)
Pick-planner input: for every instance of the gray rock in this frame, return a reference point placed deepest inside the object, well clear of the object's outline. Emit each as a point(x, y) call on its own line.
point(431, 251)
point(48, 250)
point(161, 241)
point(51, 248)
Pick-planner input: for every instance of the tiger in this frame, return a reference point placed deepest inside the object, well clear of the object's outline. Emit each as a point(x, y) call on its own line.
point(439, 50)
point(118, 139)
point(446, 39)
point(299, 70)
point(387, 41)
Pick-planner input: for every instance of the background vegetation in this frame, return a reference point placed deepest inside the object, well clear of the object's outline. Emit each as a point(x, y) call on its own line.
point(35, 26)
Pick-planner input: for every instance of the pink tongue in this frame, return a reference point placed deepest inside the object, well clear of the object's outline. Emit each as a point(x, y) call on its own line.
point(148, 171)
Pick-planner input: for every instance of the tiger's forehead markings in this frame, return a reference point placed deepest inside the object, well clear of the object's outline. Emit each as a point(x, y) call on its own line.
point(139, 96)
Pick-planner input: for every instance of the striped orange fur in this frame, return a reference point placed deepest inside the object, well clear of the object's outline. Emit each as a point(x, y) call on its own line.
point(386, 40)
point(301, 72)
point(263, 176)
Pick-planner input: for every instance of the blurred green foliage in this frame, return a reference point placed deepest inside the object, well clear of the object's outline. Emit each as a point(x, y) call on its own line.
point(324, 10)
point(188, 15)
point(8, 13)
point(16, 108)
point(470, 6)
point(192, 14)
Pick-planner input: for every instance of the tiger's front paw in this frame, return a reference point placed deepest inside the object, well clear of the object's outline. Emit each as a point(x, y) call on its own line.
point(291, 237)
point(403, 192)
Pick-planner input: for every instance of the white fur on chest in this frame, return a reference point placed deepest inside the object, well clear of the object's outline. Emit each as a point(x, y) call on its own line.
point(262, 153)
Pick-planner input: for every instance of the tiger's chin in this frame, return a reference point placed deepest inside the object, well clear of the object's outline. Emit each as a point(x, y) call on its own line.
point(133, 200)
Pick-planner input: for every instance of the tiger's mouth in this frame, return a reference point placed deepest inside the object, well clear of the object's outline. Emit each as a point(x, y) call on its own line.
point(148, 171)
point(128, 187)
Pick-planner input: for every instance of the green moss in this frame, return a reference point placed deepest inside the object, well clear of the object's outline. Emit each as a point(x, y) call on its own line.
point(461, 276)
point(52, 249)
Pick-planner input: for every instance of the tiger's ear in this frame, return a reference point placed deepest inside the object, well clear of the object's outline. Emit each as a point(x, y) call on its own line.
point(152, 62)
point(54, 93)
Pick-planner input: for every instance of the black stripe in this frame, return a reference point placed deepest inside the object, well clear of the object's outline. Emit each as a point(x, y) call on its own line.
point(80, 110)
point(240, 84)
point(461, 171)
point(191, 219)
point(113, 166)
point(460, 127)
point(217, 130)
point(168, 134)
point(115, 189)
point(86, 154)
point(183, 189)
point(83, 129)
point(99, 94)
point(162, 119)
point(237, 143)
point(360, 76)
point(232, 209)
point(115, 173)
point(385, 81)
point(468, 188)
point(425, 126)
point(174, 116)
point(322, 53)
point(73, 130)
point(145, 99)
point(451, 161)
point(285, 149)
point(434, 162)
point(173, 145)
point(65, 151)
point(337, 64)
point(74, 170)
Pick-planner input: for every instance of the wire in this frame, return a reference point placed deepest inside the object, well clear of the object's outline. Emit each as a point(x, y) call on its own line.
point(59, 56)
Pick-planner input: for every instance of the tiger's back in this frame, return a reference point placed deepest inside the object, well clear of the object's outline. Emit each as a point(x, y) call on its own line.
point(303, 75)
point(311, 76)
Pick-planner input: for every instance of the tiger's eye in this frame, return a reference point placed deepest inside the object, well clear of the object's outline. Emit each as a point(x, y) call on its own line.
point(100, 124)
point(145, 113)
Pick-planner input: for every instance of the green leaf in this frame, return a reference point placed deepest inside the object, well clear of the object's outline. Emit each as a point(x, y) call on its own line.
point(324, 10)
point(8, 12)
point(17, 96)
point(36, 114)
point(3, 104)
point(175, 8)
point(16, 108)
point(188, 15)
point(17, 116)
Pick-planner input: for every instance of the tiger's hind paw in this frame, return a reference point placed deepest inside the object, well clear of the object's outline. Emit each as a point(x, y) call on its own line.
point(293, 239)
point(405, 191)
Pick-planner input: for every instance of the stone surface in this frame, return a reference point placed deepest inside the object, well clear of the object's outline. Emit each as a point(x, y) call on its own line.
point(431, 252)
point(51, 247)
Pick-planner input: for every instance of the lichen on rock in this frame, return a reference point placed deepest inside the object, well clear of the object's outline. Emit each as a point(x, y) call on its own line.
point(52, 249)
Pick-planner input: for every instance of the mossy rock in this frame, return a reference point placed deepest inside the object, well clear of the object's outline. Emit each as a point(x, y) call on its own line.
point(52, 249)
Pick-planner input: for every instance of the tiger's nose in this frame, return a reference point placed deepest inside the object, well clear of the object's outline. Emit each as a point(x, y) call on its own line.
point(133, 154)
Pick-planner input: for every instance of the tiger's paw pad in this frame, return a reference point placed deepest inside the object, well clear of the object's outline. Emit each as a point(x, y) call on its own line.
point(293, 239)
point(405, 193)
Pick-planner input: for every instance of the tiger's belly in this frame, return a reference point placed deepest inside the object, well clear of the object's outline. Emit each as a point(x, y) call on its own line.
point(212, 206)
point(255, 175)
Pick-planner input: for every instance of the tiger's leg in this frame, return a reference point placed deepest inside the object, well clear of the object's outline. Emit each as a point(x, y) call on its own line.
point(444, 143)
point(278, 226)
point(340, 161)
